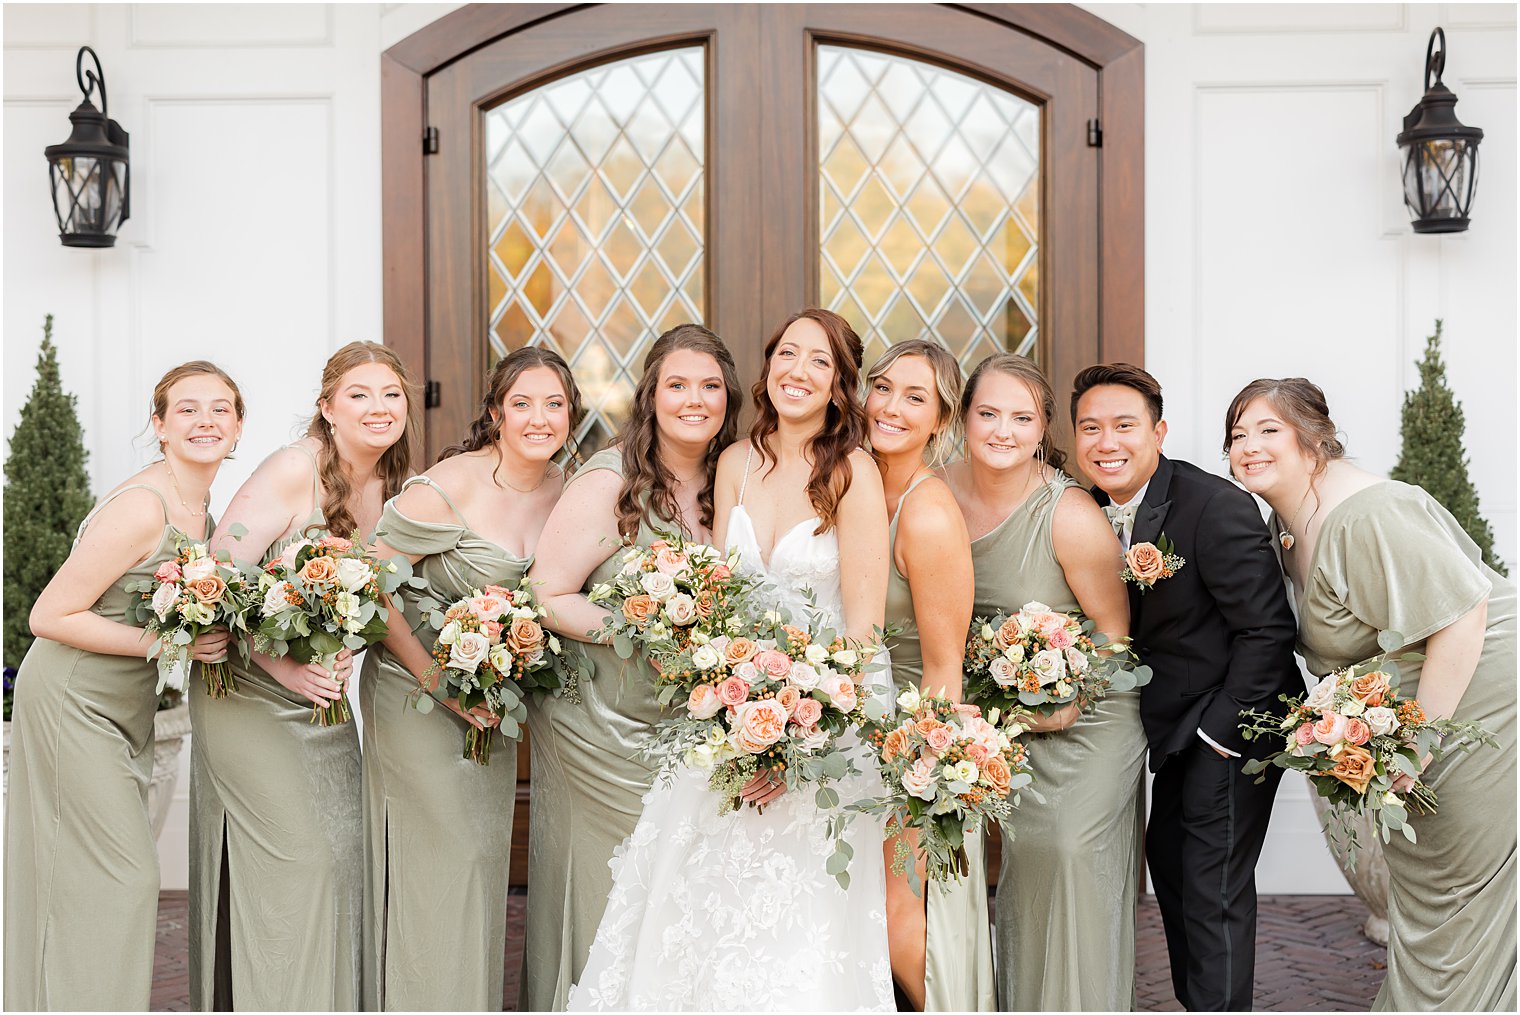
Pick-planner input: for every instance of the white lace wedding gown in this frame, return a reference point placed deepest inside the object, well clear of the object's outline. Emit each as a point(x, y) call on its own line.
point(736, 912)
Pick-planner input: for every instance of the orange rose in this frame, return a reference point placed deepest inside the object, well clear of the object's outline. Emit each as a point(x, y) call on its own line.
point(1354, 767)
point(1146, 563)
point(319, 571)
point(208, 590)
point(739, 650)
point(1370, 688)
point(524, 637)
point(640, 608)
point(1008, 634)
point(927, 726)
point(705, 606)
point(995, 770)
point(896, 743)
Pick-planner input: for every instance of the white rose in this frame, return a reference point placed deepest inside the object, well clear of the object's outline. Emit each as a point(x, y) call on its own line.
point(810, 738)
point(1353, 706)
point(919, 779)
point(500, 657)
point(1003, 672)
point(630, 567)
point(467, 651)
point(909, 699)
point(1382, 720)
point(1048, 665)
point(658, 584)
point(705, 657)
point(450, 633)
point(816, 654)
point(803, 676)
point(750, 673)
point(1014, 654)
point(1034, 608)
point(164, 597)
point(964, 771)
point(354, 574)
point(274, 599)
point(198, 613)
point(346, 603)
point(1076, 660)
point(1323, 694)
point(846, 657)
point(681, 609)
point(198, 568)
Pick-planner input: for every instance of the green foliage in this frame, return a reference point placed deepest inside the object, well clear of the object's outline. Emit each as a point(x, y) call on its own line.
point(1433, 456)
point(47, 495)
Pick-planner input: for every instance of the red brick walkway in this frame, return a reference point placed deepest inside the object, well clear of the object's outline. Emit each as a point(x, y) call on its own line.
point(1310, 956)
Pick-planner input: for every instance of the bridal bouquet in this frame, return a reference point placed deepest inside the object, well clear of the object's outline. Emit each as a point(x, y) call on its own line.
point(491, 649)
point(947, 769)
point(1353, 735)
point(1041, 660)
point(322, 597)
point(186, 597)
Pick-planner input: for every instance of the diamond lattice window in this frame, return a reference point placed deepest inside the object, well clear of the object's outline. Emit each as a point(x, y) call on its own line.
point(929, 190)
point(596, 237)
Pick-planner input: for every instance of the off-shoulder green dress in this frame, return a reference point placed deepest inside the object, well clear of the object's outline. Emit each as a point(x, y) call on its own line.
point(276, 843)
point(958, 937)
point(438, 827)
point(1390, 558)
point(81, 864)
point(588, 786)
point(1065, 905)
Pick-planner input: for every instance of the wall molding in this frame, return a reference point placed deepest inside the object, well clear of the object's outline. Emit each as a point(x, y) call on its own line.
point(1201, 12)
point(325, 39)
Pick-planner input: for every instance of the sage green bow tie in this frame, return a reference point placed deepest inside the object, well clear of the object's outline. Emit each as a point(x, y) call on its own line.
point(1121, 518)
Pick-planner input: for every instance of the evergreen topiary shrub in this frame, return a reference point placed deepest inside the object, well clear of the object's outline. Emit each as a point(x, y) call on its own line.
point(47, 495)
point(1433, 456)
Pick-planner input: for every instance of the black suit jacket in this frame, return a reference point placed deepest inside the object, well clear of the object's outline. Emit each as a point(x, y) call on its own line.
point(1218, 634)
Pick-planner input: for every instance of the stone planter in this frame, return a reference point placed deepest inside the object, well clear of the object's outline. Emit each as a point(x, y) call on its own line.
point(170, 727)
point(1370, 879)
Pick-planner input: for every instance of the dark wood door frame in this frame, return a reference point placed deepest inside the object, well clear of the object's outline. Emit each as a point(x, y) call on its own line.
point(1117, 58)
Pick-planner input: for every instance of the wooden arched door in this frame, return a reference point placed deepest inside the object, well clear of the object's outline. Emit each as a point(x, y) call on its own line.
point(585, 176)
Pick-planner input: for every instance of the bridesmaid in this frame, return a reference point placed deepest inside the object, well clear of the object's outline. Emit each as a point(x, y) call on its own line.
point(276, 831)
point(1067, 885)
point(439, 832)
point(941, 942)
point(589, 778)
point(81, 864)
point(1368, 555)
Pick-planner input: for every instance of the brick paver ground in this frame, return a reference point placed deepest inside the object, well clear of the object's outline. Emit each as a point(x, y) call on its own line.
point(1310, 956)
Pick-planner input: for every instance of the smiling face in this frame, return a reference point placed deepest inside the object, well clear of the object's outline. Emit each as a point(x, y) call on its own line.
point(799, 375)
point(534, 416)
point(367, 409)
point(902, 407)
point(1004, 426)
point(690, 399)
point(1265, 453)
point(200, 422)
point(1117, 442)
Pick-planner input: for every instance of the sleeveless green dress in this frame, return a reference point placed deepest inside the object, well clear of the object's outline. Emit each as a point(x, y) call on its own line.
point(588, 786)
point(1390, 558)
point(438, 831)
point(276, 844)
point(958, 939)
point(81, 864)
point(1066, 890)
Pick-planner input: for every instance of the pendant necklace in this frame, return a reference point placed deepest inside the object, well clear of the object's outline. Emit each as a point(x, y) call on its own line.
point(175, 483)
point(1285, 538)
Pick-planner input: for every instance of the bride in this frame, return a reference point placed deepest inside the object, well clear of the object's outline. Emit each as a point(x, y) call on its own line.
point(728, 912)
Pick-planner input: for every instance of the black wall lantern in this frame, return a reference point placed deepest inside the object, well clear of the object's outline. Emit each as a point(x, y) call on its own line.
point(1440, 154)
point(90, 171)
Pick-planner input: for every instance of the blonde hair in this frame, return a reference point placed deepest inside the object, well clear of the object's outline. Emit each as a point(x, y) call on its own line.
point(947, 389)
point(1023, 369)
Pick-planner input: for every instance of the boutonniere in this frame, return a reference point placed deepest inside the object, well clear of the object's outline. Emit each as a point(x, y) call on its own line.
point(1147, 563)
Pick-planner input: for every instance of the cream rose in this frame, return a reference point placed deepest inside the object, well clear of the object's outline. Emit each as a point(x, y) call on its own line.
point(846, 658)
point(1077, 661)
point(450, 633)
point(354, 574)
point(1322, 695)
point(703, 702)
point(468, 650)
point(198, 568)
point(658, 584)
point(705, 657)
point(1049, 665)
point(681, 609)
point(165, 596)
point(804, 677)
point(815, 654)
point(1382, 721)
point(919, 779)
point(275, 599)
point(1004, 673)
point(811, 738)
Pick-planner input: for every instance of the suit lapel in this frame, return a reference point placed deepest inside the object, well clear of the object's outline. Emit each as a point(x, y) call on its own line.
point(1153, 508)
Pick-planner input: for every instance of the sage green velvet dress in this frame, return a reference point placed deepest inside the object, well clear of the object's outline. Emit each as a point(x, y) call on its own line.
point(81, 864)
point(1065, 905)
point(1390, 558)
point(276, 843)
point(588, 786)
point(438, 832)
point(958, 937)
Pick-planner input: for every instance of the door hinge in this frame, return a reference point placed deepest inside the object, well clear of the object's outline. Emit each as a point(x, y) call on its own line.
point(432, 395)
point(1094, 134)
point(430, 141)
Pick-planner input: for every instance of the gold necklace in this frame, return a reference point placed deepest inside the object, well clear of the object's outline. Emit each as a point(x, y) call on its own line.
point(175, 483)
point(541, 480)
point(1285, 538)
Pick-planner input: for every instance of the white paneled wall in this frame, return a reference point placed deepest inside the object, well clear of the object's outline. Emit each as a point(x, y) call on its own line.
point(1276, 240)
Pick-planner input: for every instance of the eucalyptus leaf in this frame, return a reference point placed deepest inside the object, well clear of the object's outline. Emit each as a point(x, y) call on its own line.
point(424, 704)
point(1390, 640)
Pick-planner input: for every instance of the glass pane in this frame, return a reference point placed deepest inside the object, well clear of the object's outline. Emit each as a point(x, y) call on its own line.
point(929, 196)
point(595, 240)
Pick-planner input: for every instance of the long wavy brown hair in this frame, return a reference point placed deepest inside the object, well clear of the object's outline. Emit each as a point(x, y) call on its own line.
point(648, 485)
point(844, 423)
point(394, 466)
point(486, 428)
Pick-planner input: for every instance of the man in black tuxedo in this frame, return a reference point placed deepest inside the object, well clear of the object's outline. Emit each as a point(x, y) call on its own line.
point(1218, 635)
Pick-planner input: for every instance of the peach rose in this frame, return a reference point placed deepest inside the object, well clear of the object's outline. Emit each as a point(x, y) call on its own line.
point(1008, 634)
point(1304, 735)
point(1146, 563)
point(789, 697)
point(733, 692)
point(841, 691)
point(703, 703)
point(940, 739)
point(773, 664)
point(760, 724)
point(208, 590)
point(455, 612)
point(1354, 767)
point(668, 561)
point(809, 711)
point(739, 650)
point(168, 571)
point(1358, 732)
point(896, 743)
point(524, 637)
point(978, 753)
point(497, 590)
point(705, 606)
point(720, 572)
point(319, 571)
point(337, 543)
point(1331, 729)
point(640, 608)
point(491, 629)
point(486, 607)
point(996, 773)
point(1061, 639)
point(1370, 688)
